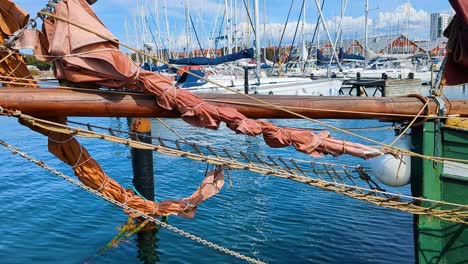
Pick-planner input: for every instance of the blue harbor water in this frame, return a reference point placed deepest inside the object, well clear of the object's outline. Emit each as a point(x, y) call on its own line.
point(47, 220)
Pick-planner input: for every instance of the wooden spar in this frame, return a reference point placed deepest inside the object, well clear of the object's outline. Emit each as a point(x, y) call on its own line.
point(66, 102)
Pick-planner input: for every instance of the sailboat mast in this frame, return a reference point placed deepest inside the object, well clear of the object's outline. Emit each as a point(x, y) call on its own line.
point(186, 30)
point(257, 39)
point(334, 53)
point(318, 27)
point(365, 31)
point(264, 27)
point(247, 21)
point(168, 39)
point(235, 27)
point(343, 9)
point(226, 11)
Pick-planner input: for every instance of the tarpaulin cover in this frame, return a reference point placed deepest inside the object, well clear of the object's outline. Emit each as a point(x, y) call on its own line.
point(345, 56)
point(456, 67)
point(244, 54)
point(12, 18)
point(88, 58)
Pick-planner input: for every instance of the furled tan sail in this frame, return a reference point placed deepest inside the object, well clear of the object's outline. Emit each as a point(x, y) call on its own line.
point(12, 18)
point(83, 57)
point(69, 150)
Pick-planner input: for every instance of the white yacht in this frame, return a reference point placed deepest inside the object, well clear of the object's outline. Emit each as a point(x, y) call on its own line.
point(267, 85)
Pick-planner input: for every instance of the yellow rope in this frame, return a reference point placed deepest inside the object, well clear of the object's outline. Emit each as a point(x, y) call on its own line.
point(457, 214)
point(410, 124)
point(64, 129)
point(72, 88)
point(10, 53)
point(195, 75)
point(232, 101)
point(330, 110)
point(172, 130)
point(385, 146)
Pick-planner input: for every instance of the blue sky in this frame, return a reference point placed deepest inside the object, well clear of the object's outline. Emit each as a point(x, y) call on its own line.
point(385, 17)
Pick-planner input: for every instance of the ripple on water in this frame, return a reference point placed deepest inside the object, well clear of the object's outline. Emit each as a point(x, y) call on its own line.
point(46, 220)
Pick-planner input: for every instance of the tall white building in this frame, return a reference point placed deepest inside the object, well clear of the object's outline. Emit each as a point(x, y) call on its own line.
point(439, 22)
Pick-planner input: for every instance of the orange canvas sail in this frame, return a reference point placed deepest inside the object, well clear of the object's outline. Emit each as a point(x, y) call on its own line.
point(12, 18)
point(83, 57)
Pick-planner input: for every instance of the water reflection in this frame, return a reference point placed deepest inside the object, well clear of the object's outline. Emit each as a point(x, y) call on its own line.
point(147, 243)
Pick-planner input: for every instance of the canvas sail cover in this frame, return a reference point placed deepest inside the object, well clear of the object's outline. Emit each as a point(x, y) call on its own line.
point(12, 65)
point(343, 56)
point(82, 57)
point(244, 54)
point(456, 65)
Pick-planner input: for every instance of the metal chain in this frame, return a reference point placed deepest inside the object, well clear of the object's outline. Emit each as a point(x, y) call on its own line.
point(413, 205)
point(174, 229)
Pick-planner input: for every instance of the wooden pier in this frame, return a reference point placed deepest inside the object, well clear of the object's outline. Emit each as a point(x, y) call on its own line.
point(383, 87)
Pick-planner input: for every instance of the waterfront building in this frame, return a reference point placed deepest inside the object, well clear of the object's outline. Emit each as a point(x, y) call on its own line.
point(439, 22)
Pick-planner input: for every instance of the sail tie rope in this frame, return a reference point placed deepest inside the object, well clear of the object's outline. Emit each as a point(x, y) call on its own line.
point(243, 103)
point(104, 183)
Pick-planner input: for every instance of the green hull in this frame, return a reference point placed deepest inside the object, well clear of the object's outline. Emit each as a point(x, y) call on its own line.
point(439, 241)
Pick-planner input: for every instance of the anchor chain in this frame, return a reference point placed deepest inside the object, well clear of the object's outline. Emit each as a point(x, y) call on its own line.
point(172, 228)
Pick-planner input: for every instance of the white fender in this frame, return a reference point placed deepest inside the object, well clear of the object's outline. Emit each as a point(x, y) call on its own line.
point(393, 171)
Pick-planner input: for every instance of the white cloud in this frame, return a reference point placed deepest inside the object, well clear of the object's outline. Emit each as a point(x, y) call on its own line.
point(388, 22)
point(398, 20)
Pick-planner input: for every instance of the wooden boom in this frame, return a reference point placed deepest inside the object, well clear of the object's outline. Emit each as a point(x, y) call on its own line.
point(65, 102)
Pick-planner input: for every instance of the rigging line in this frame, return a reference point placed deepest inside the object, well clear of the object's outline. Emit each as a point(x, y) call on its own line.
point(196, 36)
point(62, 127)
point(282, 34)
point(250, 18)
point(389, 148)
point(219, 35)
point(159, 33)
point(295, 32)
point(229, 101)
point(190, 143)
point(172, 130)
point(342, 188)
point(112, 138)
point(317, 25)
point(387, 202)
point(172, 228)
point(152, 34)
point(411, 123)
point(16, 68)
point(76, 88)
point(10, 53)
point(327, 110)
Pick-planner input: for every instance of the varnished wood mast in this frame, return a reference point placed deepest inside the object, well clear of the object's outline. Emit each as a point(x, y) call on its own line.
point(64, 102)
